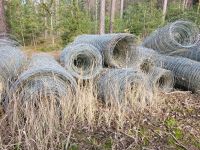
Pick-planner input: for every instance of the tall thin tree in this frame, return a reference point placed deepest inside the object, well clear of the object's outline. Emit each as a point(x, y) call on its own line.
point(112, 15)
point(164, 10)
point(121, 9)
point(102, 17)
point(3, 25)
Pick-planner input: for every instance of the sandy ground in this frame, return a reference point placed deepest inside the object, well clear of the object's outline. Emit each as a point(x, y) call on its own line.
point(56, 54)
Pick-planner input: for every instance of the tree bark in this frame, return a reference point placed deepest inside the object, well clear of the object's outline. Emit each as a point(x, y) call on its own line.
point(102, 17)
point(52, 30)
point(96, 15)
point(122, 9)
point(164, 9)
point(112, 15)
point(198, 8)
point(3, 25)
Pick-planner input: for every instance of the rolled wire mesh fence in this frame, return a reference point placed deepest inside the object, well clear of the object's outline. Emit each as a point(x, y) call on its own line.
point(186, 71)
point(12, 61)
point(161, 79)
point(44, 78)
point(158, 78)
point(83, 61)
point(8, 39)
point(115, 48)
point(175, 36)
point(191, 53)
point(122, 85)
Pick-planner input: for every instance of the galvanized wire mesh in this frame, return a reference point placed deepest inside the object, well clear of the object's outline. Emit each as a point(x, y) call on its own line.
point(83, 61)
point(175, 36)
point(43, 78)
point(191, 53)
point(186, 71)
point(119, 85)
point(161, 79)
point(12, 61)
point(7, 39)
point(115, 48)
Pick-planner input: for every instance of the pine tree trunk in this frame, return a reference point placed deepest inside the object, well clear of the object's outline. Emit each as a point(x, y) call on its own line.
point(3, 26)
point(102, 17)
point(52, 30)
point(96, 15)
point(164, 9)
point(45, 31)
point(88, 6)
point(122, 9)
point(45, 23)
point(112, 15)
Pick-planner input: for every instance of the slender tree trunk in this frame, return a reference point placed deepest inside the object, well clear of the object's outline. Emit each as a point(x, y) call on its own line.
point(45, 31)
point(3, 25)
point(45, 23)
point(52, 30)
point(22, 34)
point(96, 15)
point(112, 15)
point(57, 17)
point(122, 9)
point(164, 10)
point(88, 6)
point(102, 17)
point(184, 3)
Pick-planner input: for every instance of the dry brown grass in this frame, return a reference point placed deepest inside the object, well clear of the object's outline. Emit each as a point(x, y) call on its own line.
point(46, 123)
point(82, 122)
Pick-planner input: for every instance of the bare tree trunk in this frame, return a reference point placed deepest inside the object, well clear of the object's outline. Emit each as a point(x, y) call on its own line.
point(88, 6)
point(45, 31)
point(96, 15)
point(122, 9)
point(112, 15)
point(57, 17)
point(45, 23)
point(22, 34)
point(198, 7)
point(3, 25)
point(102, 17)
point(187, 4)
point(164, 9)
point(52, 30)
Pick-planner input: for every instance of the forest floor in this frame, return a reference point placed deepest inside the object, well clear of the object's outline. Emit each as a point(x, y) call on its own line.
point(175, 126)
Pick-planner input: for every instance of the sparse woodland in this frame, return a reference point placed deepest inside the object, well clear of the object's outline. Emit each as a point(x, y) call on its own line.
point(50, 24)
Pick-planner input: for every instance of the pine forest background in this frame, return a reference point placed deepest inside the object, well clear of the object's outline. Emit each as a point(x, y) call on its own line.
point(47, 25)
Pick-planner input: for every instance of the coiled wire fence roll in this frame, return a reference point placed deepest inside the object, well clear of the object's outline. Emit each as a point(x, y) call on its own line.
point(44, 78)
point(83, 61)
point(161, 79)
point(12, 61)
point(186, 71)
point(191, 53)
point(175, 36)
point(7, 39)
point(158, 78)
point(119, 85)
point(115, 48)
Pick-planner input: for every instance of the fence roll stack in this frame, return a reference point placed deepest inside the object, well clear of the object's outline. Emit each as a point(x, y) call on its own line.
point(122, 70)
